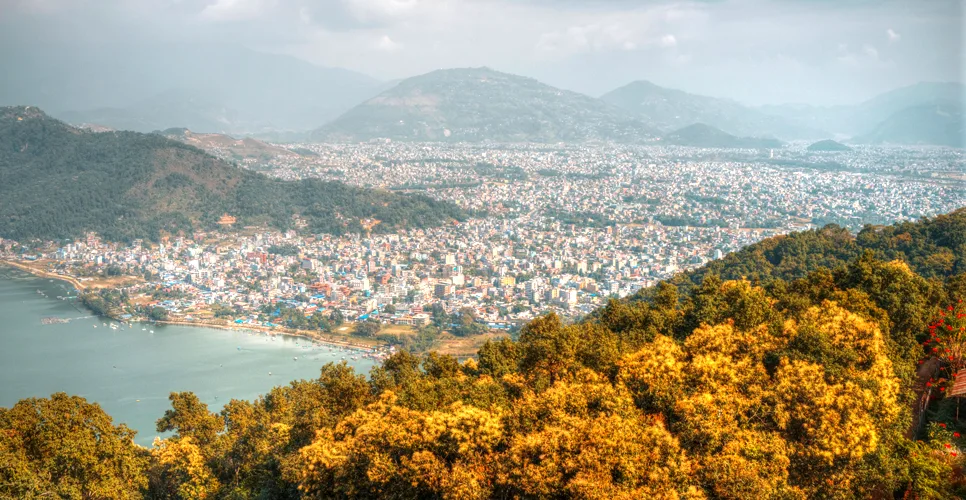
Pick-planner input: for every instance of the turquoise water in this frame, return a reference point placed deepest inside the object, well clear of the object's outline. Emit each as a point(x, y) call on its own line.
point(130, 371)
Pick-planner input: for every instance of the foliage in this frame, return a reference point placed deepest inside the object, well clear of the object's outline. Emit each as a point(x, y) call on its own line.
point(65, 447)
point(60, 182)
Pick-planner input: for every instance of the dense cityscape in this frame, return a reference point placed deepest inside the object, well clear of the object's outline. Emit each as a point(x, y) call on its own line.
point(542, 237)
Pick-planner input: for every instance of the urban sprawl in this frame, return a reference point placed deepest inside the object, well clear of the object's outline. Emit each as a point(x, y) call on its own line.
point(553, 228)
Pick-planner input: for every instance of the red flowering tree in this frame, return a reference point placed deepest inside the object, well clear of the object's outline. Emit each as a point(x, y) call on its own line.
point(947, 343)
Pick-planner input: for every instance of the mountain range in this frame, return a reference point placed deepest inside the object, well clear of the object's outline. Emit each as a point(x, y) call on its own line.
point(861, 119)
point(480, 104)
point(233, 90)
point(58, 181)
point(209, 88)
point(670, 109)
point(936, 123)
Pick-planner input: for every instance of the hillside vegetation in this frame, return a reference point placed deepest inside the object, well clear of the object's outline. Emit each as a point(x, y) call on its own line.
point(802, 387)
point(59, 182)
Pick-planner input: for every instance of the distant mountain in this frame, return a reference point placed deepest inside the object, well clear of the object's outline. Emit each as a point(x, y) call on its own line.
point(828, 145)
point(939, 124)
point(860, 119)
point(209, 88)
point(670, 109)
point(57, 181)
point(481, 104)
point(194, 110)
point(701, 135)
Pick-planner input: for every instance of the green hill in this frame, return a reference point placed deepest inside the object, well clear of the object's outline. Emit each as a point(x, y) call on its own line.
point(828, 145)
point(670, 109)
point(58, 182)
point(481, 104)
point(700, 135)
point(934, 248)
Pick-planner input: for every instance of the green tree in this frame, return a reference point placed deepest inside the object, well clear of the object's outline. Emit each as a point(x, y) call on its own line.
point(65, 447)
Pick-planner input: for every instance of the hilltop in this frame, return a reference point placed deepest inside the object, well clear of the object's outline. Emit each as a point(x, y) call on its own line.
point(828, 145)
point(701, 135)
point(671, 109)
point(481, 104)
point(57, 181)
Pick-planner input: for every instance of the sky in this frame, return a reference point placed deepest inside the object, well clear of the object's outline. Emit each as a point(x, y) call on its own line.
point(820, 52)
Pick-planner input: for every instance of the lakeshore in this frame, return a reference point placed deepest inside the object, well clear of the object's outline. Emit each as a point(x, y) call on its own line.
point(131, 370)
point(314, 336)
point(75, 282)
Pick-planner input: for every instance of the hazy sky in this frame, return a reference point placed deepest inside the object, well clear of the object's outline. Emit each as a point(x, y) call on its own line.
point(755, 51)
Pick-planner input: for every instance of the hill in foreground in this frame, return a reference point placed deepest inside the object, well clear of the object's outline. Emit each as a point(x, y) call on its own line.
point(57, 181)
point(700, 135)
point(801, 389)
point(481, 104)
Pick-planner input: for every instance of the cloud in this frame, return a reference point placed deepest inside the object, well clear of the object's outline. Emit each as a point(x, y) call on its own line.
point(373, 10)
point(726, 48)
point(870, 51)
point(234, 10)
point(668, 41)
point(386, 44)
point(588, 38)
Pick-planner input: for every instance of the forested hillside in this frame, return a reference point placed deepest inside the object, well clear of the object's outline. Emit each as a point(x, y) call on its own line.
point(59, 182)
point(801, 383)
point(934, 248)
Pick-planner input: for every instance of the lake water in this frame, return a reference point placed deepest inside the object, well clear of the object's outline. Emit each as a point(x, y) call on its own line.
point(130, 371)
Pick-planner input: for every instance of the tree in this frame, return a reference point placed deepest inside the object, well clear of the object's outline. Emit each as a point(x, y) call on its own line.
point(189, 417)
point(158, 314)
point(179, 471)
point(65, 447)
point(366, 328)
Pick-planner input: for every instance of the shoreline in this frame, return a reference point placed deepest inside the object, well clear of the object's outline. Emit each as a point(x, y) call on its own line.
point(80, 287)
point(76, 283)
point(305, 334)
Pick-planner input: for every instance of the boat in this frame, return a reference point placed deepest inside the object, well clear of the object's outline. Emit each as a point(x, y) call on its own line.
point(296, 358)
point(152, 331)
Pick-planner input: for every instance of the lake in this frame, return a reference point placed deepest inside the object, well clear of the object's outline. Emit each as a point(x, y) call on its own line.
point(131, 370)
